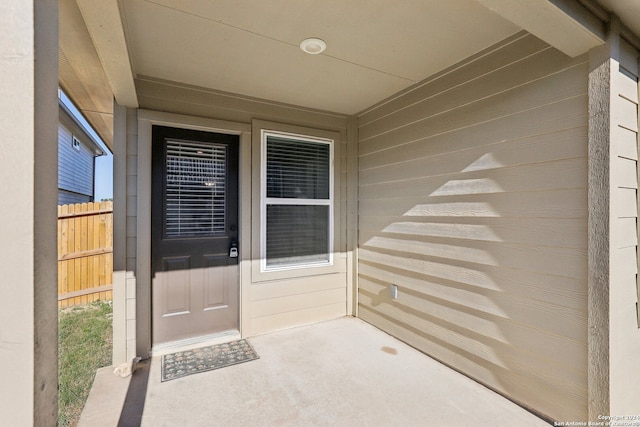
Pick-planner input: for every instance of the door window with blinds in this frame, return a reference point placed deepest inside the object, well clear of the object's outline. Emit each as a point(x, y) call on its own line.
point(195, 189)
point(297, 201)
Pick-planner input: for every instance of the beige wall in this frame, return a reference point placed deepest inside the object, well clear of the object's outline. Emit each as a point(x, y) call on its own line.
point(281, 299)
point(125, 233)
point(268, 302)
point(28, 307)
point(614, 337)
point(624, 333)
point(473, 201)
point(119, 234)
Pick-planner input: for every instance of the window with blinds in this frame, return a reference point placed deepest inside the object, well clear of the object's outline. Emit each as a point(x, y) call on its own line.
point(297, 201)
point(195, 189)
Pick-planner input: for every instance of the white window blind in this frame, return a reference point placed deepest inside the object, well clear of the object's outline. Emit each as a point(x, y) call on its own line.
point(195, 189)
point(297, 170)
point(297, 208)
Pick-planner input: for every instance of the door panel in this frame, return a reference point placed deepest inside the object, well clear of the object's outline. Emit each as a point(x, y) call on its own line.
point(194, 224)
point(214, 296)
point(176, 299)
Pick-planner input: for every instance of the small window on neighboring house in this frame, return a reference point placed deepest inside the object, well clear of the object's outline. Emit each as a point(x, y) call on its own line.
point(296, 201)
point(75, 143)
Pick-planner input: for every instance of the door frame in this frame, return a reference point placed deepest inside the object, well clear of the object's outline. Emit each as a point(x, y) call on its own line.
point(146, 120)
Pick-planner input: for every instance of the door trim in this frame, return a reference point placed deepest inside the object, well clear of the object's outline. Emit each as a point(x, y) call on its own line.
point(142, 273)
point(195, 282)
point(191, 343)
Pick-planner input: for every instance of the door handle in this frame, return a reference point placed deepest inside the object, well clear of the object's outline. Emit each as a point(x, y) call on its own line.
point(233, 250)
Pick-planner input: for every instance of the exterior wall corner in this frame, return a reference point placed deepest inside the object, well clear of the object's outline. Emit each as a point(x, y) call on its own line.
point(598, 239)
point(614, 334)
point(28, 307)
point(124, 238)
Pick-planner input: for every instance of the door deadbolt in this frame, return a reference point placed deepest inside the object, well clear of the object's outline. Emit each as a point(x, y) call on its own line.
point(233, 251)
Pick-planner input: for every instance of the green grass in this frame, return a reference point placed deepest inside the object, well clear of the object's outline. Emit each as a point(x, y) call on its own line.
point(84, 345)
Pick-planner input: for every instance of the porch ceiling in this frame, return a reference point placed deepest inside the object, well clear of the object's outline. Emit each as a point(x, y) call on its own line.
point(627, 10)
point(375, 47)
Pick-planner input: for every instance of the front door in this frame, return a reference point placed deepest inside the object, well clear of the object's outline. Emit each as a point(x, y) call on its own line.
point(194, 233)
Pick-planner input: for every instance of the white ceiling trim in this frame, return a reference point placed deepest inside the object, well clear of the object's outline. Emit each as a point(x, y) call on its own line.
point(564, 24)
point(104, 23)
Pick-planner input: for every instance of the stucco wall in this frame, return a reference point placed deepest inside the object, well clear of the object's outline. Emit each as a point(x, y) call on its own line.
point(28, 307)
point(473, 201)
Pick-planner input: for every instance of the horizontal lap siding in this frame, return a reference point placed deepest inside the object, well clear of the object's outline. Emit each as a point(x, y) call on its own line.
point(473, 201)
point(67, 198)
point(625, 336)
point(75, 167)
point(282, 303)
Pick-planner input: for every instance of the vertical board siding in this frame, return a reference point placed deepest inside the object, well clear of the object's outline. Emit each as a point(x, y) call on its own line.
point(473, 201)
point(625, 335)
point(85, 253)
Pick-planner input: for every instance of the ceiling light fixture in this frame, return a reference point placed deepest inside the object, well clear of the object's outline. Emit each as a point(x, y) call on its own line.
point(313, 46)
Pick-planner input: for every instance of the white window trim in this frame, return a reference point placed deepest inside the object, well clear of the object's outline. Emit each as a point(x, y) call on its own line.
point(264, 200)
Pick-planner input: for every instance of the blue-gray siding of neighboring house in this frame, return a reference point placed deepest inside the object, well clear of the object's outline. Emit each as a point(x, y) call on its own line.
point(75, 165)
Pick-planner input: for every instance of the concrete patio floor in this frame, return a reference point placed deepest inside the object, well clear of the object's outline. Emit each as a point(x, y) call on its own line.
point(343, 372)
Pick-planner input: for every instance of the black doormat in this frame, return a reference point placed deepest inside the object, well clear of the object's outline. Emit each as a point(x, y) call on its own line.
point(183, 363)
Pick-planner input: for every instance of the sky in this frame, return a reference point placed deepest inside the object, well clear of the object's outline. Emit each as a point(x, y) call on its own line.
point(104, 164)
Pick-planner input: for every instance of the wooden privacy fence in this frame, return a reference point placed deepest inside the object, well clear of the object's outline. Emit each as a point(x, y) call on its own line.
point(85, 253)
